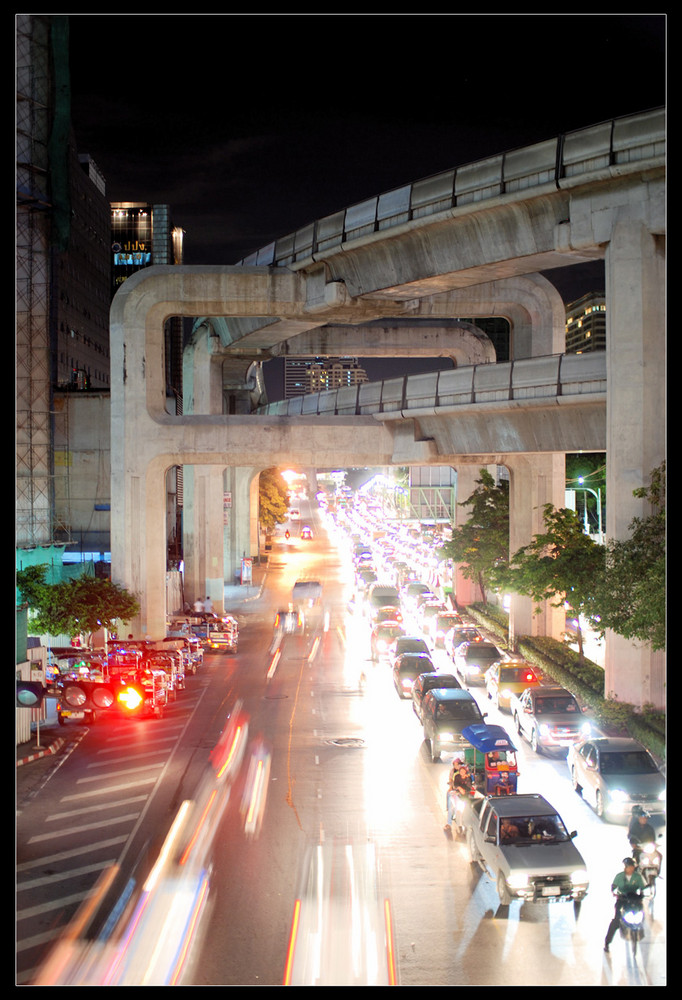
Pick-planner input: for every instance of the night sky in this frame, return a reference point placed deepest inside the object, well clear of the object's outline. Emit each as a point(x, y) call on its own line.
point(252, 126)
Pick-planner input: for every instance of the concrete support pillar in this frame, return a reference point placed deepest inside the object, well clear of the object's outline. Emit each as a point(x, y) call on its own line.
point(534, 480)
point(240, 536)
point(203, 484)
point(202, 533)
point(636, 371)
point(465, 591)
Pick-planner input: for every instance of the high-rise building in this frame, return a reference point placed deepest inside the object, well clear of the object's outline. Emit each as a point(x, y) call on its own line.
point(586, 324)
point(62, 268)
point(303, 375)
point(142, 235)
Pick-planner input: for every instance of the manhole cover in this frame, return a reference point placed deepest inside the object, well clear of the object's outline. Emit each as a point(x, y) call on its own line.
point(347, 741)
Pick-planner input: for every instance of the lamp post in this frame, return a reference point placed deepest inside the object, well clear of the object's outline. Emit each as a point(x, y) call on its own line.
point(595, 493)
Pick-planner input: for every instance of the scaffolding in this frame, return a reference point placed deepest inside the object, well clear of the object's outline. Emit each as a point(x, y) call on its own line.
point(33, 384)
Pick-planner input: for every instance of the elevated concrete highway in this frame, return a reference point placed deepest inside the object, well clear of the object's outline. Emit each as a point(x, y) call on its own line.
point(405, 266)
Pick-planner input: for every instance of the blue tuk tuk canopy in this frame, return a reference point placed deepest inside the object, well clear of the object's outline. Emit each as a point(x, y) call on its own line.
point(487, 738)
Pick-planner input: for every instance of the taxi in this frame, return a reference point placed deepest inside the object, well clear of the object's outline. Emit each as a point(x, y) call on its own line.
point(506, 678)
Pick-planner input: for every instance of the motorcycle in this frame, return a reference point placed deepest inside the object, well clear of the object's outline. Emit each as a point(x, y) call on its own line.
point(631, 919)
point(648, 858)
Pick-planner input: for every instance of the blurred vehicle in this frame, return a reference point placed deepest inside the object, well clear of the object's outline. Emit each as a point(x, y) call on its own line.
point(428, 611)
point(387, 614)
point(412, 590)
point(364, 578)
point(294, 514)
point(383, 635)
point(424, 683)
point(614, 774)
point(288, 620)
point(382, 595)
point(445, 713)
point(407, 644)
point(306, 532)
point(407, 667)
point(362, 555)
point(459, 634)
point(524, 846)
point(402, 572)
point(472, 659)
point(437, 626)
point(426, 597)
point(550, 718)
point(507, 677)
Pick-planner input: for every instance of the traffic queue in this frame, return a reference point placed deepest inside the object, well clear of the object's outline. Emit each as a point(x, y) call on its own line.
point(136, 678)
point(519, 840)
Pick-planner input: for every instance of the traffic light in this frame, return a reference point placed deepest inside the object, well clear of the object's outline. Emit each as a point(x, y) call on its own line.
point(87, 696)
point(30, 694)
point(102, 696)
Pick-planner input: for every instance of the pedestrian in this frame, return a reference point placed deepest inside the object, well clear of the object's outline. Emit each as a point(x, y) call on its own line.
point(624, 883)
point(198, 606)
point(208, 605)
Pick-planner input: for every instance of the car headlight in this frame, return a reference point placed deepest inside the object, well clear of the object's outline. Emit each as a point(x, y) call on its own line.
point(585, 729)
point(544, 729)
point(580, 877)
point(449, 737)
point(517, 880)
point(661, 796)
point(619, 795)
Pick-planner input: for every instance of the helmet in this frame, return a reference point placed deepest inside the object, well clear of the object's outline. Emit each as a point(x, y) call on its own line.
point(629, 863)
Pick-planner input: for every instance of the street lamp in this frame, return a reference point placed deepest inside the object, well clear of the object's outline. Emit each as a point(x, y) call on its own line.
point(595, 493)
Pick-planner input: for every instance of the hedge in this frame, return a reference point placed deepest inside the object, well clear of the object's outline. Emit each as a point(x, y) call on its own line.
point(583, 678)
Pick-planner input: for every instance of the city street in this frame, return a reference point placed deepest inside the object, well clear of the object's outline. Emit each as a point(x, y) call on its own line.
point(332, 866)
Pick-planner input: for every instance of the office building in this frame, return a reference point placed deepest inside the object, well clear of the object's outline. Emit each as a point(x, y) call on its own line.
point(303, 375)
point(586, 324)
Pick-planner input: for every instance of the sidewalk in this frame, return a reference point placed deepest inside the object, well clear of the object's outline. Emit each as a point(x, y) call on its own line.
point(238, 594)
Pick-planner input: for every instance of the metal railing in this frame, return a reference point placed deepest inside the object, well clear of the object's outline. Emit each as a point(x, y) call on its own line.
point(560, 162)
point(528, 378)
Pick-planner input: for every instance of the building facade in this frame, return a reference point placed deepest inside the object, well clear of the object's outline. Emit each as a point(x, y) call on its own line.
point(304, 375)
point(586, 324)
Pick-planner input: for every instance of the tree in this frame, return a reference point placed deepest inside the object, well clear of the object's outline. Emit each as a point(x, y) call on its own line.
point(481, 545)
point(75, 607)
point(561, 566)
point(273, 498)
point(631, 596)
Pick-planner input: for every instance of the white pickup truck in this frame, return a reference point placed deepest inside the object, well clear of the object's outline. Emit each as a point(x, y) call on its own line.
point(521, 842)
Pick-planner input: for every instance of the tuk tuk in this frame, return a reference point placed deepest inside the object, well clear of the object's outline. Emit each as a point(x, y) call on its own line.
point(170, 663)
point(492, 759)
point(219, 635)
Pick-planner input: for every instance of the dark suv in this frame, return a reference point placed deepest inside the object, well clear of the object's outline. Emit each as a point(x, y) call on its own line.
point(445, 713)
point(424, 683)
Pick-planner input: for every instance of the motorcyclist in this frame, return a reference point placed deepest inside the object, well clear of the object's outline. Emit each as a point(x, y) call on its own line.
point(624, 884)
point(460, 783)
point(640, 831)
